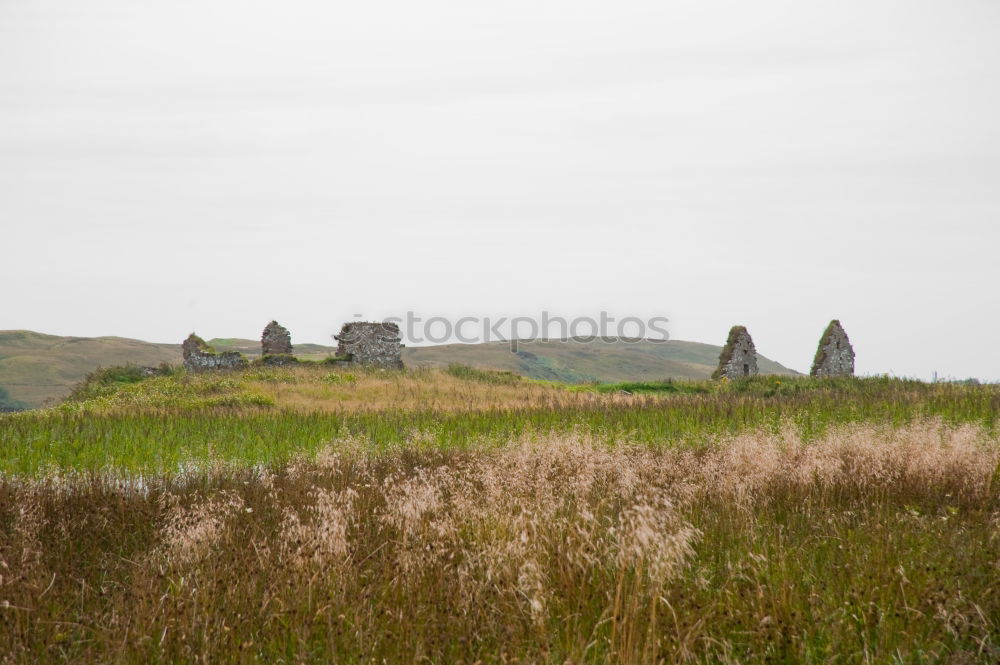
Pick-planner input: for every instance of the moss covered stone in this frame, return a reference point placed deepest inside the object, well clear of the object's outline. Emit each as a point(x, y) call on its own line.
point(835, 355)
point(739, 356)
point(199, 355)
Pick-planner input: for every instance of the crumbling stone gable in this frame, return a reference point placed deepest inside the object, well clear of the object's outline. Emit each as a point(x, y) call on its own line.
point(739, 356)
point(276, 340)
point(835, 355)
point(199, 356)
point(371, 343)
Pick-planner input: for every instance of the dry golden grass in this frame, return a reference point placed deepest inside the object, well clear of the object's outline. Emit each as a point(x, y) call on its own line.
point(868, 544)
point(308, 390)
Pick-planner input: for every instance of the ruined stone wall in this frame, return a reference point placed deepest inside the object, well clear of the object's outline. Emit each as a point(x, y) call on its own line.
point(835, 355)
point(199, 356)
point(276, 340)
point(376, 344)
point(739, 356)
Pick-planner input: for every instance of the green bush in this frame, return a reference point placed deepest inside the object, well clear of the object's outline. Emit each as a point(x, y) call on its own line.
point(339, 378)
point(104, 380)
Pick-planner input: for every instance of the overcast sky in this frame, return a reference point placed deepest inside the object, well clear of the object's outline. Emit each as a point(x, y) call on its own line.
point(210, 165)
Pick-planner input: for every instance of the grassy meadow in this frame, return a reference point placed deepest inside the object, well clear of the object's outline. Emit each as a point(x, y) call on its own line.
point(324, 515)
point(41, 370)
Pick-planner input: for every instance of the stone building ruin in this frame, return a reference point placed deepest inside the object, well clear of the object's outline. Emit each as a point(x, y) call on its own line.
point(738, 359)
point(199, 356)
point(835, 355)
point(370, 343)
point(276, 340)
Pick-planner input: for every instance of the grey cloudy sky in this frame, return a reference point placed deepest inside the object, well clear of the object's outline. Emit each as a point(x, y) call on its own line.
point(210, 165)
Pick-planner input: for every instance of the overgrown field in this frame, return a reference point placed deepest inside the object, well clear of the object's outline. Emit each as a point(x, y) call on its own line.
point(165, 424)
point(316, 516)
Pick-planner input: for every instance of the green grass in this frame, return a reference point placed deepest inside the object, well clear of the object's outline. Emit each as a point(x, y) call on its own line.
point(160, 424)
point(483, 375)
point(665, 387)
point(879, 387)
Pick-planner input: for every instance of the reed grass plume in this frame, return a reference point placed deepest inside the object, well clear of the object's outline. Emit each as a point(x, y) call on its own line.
point(550, 548)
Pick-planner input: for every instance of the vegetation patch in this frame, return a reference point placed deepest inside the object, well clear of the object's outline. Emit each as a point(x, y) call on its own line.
point(760, 548)
point(340, 378)
point(493, 376)
point(665, 387)
point(106, 381)
point(8, 404)
point(308, 515)
point(264, 415)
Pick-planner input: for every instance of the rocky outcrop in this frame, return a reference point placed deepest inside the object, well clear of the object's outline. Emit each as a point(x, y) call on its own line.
point(739, 356)
point(376, 344)
point(835, 355)
point(276, 340)
point(199, 356)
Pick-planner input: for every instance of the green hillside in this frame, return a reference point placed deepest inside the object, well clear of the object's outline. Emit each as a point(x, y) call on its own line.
point(251, 347)
point(577, 362)
point(38, 369)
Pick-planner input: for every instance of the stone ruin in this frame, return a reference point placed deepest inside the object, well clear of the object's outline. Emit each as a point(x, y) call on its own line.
point(276, 340)
point(276, 345)
point(370, 343)
point(198, 356)
point(835, 355)
point(376, 344)
point(739, 356)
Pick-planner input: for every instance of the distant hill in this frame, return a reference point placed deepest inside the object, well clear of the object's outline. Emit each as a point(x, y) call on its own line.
point(573, 361)
point(37, 369)
point(251, 347)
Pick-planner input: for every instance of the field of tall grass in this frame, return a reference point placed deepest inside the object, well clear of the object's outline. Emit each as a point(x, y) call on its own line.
point(118, 422)
point(461, 516)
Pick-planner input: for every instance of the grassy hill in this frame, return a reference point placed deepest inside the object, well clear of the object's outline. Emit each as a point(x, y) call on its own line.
point(606, 361)
point(38, 369)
